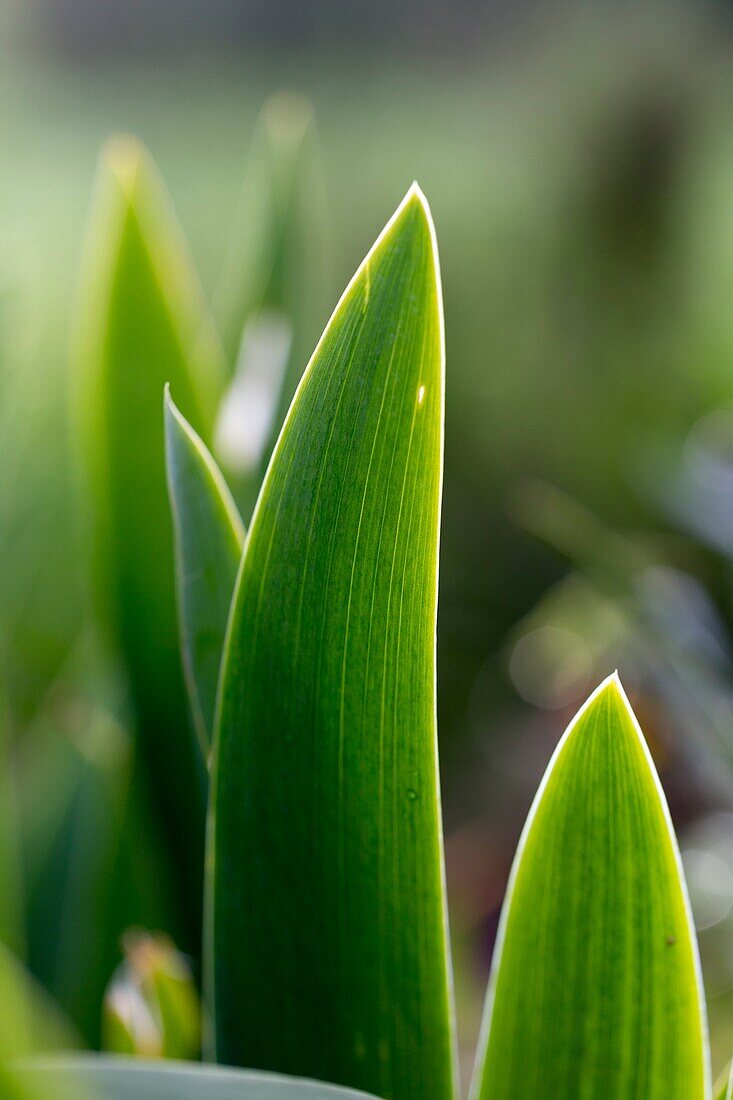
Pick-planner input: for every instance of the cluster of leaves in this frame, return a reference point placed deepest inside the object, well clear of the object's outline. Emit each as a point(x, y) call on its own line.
point(299, 805)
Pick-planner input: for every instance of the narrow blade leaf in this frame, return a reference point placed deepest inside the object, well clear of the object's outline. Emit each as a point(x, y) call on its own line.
point(208, 538)
point(327, 924)
point(140, 326)
point(276, 255)
point(595, 989)
point(119, 1078)
point(271, 301)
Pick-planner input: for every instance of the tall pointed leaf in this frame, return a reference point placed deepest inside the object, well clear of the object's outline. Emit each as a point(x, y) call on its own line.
point(208, 546)
point(276, 255)
point(595, 989)
point(327, 924)
point(118, 1078)
point(140, 325)
point(271, 301)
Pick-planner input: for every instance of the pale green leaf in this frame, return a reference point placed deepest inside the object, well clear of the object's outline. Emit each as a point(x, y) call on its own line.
point(271, 301)
point(141, 324)
point(29, 1024)
point(327, 925)
point(276, 255)
point(208, 546)
point(595, 990)
point(118, 1078)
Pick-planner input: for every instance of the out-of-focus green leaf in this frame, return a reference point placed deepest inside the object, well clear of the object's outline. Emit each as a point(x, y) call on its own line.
point(29, 1024)
point(208, 545)
point(724, 1085)
point(271, 302)
point(276, 257)
point(11, 901)
point(118, 1078)
point(151, 1006)
point(327, 923)
point(595, 989)
point(141, 324)
point(29, 1021)
point(74, 864)
point(40, 608)
point(91, 854)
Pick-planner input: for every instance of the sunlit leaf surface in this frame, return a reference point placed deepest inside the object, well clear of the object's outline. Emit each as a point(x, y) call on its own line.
point(327, 929)
point(595, 989)
point(208, 545)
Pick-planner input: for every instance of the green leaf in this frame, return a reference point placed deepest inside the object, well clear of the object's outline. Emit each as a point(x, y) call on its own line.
point(724, 1086)
point(29, 1021)
point(11, 887)
point(271, 301)
point(326, 912)
point(276, 255)
point(90, 856)
point(142, 324)
point(117, 1078)
point(208, 547)
point(595, 989)
point(29, 1024)
point(73, 868)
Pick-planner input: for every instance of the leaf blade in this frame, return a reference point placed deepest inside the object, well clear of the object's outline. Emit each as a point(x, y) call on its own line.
point(108, 1077)
point(208, 540)
point(142, 323)
point(276, 256)
point(595, 983)
point(271, 300)
point(350, 505)
point(29, 1024)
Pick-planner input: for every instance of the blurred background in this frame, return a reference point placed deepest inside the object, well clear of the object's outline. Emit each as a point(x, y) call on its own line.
point(579, 165)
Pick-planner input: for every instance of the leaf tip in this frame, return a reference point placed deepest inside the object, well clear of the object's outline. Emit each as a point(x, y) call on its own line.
point(123, 156)
point(287, 116)
point(609, 690)
point(170, 408)
point(174, 421)
point(416, 201)
point(607, 711)
point(413, 220)
point(616, 694)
